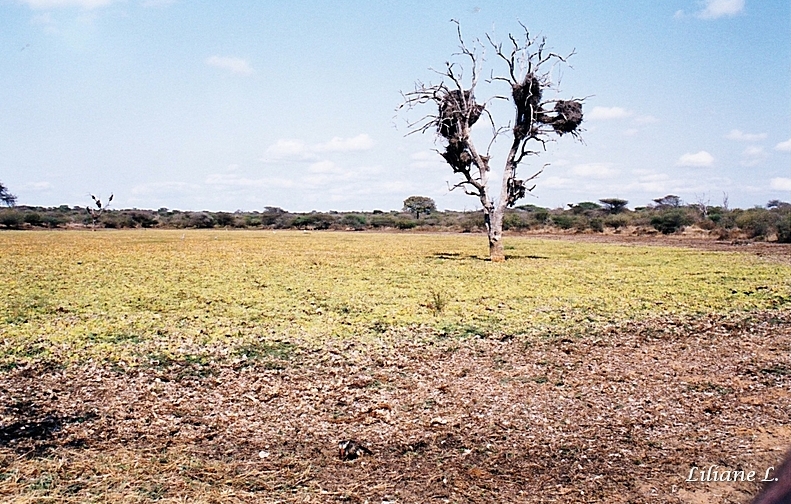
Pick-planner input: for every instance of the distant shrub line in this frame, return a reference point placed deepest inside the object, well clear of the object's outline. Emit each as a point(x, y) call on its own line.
point(773, 223)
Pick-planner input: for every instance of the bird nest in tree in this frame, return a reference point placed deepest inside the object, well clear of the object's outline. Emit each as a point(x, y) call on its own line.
point(569, 116)
point(527, 98)
point(455, 109)
point(457, 155)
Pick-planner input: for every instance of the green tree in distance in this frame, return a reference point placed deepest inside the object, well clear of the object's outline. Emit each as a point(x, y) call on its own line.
point(419, 205)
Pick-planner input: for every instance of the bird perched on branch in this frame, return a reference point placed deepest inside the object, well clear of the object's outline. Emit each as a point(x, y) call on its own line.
point(350, 449)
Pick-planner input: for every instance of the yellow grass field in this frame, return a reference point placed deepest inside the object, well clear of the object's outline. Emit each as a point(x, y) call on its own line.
point(225, 366)
point(80, 295)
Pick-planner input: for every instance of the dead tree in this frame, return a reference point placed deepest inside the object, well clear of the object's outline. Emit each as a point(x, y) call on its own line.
point(97, 212)
point(537, 120)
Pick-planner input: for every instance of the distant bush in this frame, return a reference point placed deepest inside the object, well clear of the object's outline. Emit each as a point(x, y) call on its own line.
point(313, 221)
point(406, 223)
point(382, 220)
point(784, 229)
point(201, 220)
point(179, 221)
point(616, 221)
point(563, 221)
point(253, 220)
point(223, 219)
point(53, 220)
point(671, 221)
point(11, 219)
point(541, 215)
point(33, 218)
point(725, 219)
point(117, 221)
point(284, 221)
point(756, 222)
point(471, 221)
point(143, 219)
point(516, 221)
point(354, 221)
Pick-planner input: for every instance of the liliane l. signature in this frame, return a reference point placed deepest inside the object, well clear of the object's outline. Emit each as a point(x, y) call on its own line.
point(715, 473)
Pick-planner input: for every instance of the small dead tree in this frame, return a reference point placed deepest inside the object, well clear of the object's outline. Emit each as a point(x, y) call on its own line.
point(702, 204)
point(97, 212)
point(537, 120)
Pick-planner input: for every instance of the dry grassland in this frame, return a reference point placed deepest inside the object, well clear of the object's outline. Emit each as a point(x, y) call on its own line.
point(216, 366)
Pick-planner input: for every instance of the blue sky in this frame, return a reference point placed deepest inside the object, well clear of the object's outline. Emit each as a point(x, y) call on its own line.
point(245, 104)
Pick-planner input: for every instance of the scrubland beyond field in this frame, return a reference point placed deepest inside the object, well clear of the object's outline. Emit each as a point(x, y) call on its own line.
point(224, 366)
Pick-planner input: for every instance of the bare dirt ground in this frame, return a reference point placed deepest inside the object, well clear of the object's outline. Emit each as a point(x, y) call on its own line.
point(770, 250)
point(617, 416)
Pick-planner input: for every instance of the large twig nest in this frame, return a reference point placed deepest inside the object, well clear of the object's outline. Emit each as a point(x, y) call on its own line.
point(457, 155)
point(455, 109)
point(569, 116)
point(527, 98)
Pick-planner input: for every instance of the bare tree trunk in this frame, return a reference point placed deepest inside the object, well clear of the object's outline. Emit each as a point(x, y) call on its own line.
point(494, 228)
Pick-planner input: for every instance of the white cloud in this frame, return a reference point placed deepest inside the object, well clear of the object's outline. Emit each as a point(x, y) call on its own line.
point(718, 8)
point(630, 132)
point(741, 136)
point(338, 144)
point(555, 182)
point(316, 178)
point(54, 4)
point(235, 65)
point(781, 184)
point(753, 155)
point(594, 170)
point(297, 150)
point(648, 181)
point(701, 158)
point(784, 146)
point(287, 149)
point(607, 113)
